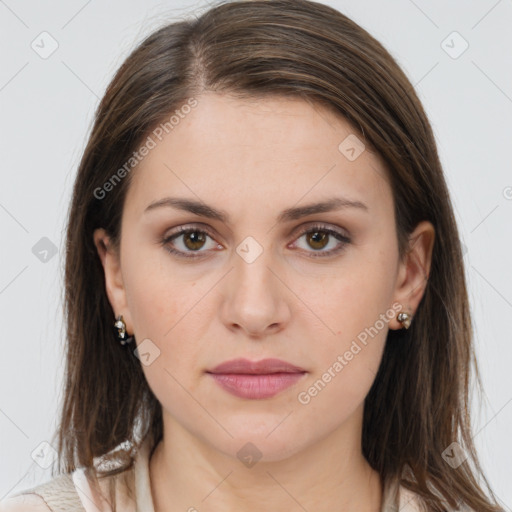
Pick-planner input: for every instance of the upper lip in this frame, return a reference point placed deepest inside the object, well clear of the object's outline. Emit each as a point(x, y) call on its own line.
point(265, 366)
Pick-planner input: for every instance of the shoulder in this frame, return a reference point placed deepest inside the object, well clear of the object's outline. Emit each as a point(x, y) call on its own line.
point(69, 492)
point(24, 502)
point(77, 492)
point(60, 489)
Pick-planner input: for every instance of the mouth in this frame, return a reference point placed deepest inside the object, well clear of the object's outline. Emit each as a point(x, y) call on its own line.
point(265, 366)
point(256, 379)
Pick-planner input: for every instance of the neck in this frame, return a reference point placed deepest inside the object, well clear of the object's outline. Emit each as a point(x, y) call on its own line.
point(187, 474)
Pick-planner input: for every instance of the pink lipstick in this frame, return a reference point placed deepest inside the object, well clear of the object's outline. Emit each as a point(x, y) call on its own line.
point(256, 379)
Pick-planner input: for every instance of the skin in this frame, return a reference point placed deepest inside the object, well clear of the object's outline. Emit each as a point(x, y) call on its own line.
point(286, 304)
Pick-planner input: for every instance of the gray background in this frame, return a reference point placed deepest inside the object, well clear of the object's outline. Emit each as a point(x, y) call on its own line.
point(47, 106)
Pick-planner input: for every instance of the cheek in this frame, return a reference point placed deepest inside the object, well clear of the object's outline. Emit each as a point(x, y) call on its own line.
point(155, 294)
point(345, 369)
point(152, 306)
point(355, 310)
point(163, 319)
point(352, 295)
point(163, 307)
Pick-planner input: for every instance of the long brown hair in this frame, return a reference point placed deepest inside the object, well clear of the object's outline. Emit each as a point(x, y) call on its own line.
point(418, 405)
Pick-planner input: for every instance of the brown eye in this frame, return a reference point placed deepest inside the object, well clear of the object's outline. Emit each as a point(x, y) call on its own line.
point(318, 239)
point(190, 242)
point(194, 240)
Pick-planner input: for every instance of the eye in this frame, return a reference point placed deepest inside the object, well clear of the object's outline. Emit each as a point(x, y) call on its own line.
point(187, 241)
point(194, 242)
point(320, 237)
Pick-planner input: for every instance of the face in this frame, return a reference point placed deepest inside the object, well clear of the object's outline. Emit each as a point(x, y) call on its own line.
point(261, 271)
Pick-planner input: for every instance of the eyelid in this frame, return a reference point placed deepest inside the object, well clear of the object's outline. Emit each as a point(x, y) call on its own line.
point(311, 226)
point(185, 228)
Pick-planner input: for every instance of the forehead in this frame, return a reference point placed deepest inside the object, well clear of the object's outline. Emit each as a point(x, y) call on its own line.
point(271, 149)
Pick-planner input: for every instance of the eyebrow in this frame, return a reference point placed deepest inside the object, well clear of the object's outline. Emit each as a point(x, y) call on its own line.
point(202, 209)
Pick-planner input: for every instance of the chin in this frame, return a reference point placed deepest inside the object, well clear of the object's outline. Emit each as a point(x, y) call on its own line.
point(251, 447)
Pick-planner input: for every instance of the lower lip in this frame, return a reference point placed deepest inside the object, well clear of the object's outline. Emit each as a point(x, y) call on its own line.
point(256, 386)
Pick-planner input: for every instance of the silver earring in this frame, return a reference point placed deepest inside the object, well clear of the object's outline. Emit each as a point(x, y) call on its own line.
point(121, 331)
point(405, 319)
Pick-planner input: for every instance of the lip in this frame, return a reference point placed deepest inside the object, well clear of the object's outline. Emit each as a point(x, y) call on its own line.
point(256, 379)
point(265, 366)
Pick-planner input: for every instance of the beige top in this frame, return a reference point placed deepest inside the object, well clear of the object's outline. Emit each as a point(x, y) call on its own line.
point(71, 492)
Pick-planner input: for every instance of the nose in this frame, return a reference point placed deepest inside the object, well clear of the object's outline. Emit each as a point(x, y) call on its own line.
point(255, 300)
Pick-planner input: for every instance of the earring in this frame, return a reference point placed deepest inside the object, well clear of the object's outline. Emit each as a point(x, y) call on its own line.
point(405, 319)
point(121, 331)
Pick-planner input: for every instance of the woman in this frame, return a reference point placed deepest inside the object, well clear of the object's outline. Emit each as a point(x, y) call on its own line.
point(266, 304)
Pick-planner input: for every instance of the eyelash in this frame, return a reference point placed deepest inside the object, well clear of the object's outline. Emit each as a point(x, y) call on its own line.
point(315, 254)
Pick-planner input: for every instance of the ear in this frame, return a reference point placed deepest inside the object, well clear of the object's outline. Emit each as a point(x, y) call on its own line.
point(414, 270)
point(114, 286)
